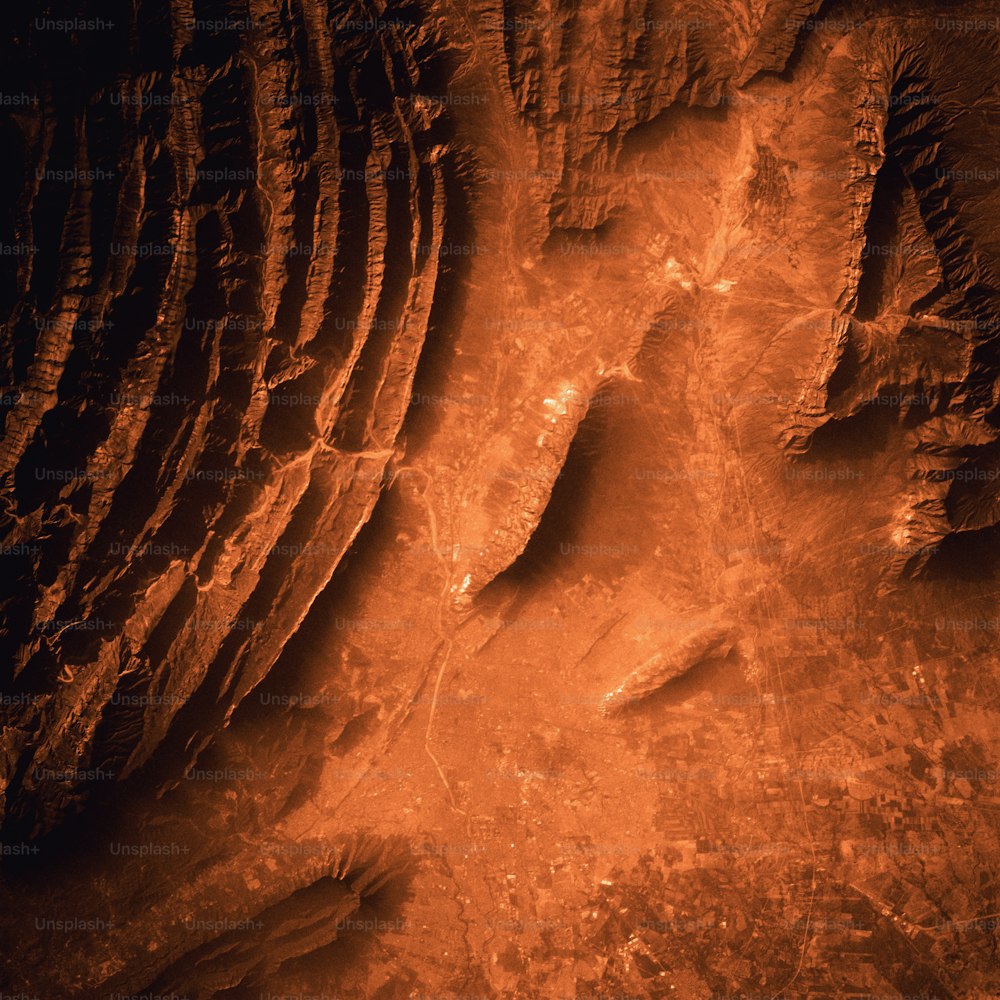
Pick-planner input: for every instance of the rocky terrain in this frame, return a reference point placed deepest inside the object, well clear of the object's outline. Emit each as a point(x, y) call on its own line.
point(500, 500)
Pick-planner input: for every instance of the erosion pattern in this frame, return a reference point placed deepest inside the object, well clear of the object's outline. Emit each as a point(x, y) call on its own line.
point(500, 499)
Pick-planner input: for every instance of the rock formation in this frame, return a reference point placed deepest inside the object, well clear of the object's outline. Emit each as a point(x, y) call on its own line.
point(500, 499)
